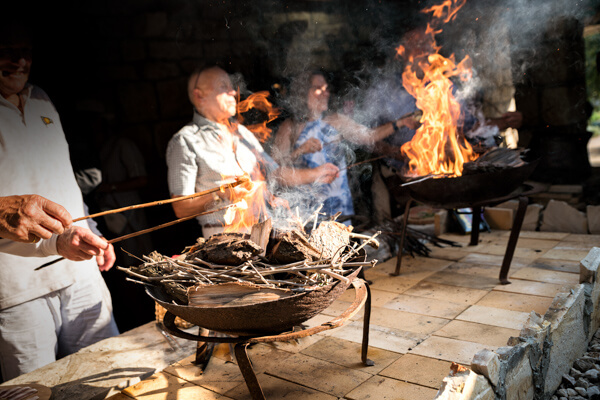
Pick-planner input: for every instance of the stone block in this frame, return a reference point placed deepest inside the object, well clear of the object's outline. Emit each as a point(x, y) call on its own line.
point(499, 218)
point(164, 50)
point(568, 335)
point(593, 218)
point(588, 267)
point(465, 385)
point(487, 363)
point(172, 98)
point(535, 328)
point(518, 381)
point(151, 24)
point(588, 275)
point(561, 217)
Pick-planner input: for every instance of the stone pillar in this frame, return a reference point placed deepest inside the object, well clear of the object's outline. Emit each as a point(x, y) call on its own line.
point(549, 75)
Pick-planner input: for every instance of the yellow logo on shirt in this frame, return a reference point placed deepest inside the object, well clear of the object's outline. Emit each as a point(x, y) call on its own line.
point(47, 121)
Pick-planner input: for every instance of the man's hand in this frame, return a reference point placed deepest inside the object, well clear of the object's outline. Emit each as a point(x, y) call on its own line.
point(327, 173)
point(30, 217)
point(78, 244)
point(106, 260)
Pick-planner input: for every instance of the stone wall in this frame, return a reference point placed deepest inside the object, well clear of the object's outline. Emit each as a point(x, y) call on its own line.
point(532, 365)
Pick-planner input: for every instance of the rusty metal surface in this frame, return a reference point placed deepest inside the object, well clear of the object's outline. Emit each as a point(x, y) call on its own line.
point(473, 188)
point(257, 319)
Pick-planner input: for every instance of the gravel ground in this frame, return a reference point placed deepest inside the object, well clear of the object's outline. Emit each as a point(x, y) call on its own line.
point(583, 380)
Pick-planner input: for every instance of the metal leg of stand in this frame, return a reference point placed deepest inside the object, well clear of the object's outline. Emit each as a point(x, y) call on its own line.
point(366, 322)
point(475, 226)
point(402, 237)
point(512, 241)
point(245, 365)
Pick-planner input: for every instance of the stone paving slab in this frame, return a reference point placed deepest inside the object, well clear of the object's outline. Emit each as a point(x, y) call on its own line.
point(425, 306)
point(420, 370)
point(348, 354)
point(530, 287)
point(543, 275)
point(488, 335)
point(516, 302)
point(455, 294)
point(442, 348)
point(382, 388)
point(494, 316)
point(275, 388)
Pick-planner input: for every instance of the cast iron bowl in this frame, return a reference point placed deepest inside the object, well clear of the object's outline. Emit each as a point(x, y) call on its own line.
point(268, 317)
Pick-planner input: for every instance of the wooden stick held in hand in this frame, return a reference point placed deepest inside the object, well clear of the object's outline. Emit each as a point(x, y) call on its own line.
point(239, 181)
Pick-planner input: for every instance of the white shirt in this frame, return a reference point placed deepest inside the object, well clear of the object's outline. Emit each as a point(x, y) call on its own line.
point(199, 156)
point(34, 159)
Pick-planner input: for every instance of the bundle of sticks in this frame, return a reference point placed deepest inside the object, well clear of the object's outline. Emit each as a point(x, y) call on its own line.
point(264, 259)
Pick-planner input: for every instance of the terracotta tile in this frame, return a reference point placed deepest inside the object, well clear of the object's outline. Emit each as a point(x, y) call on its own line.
point(382, 388)
point(447, 349)
point(394, 340)
point(219, 376)
point(319, 375)
point(516, 302)
point(423, 371)
point(530, 287)
point(164, 386)
point(556, 265)
point(542, 275)
point(566, 254)
point(425, 306)
point(416, 268)
point(494, 316)
point(453, 278)
point(378, 297)
point(348, 354)
point(388, 283)
point(488, 335)
point(455, 294)
point(275, 388)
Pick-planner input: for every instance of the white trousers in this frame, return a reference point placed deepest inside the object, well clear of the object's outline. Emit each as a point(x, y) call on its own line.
point(40, 331)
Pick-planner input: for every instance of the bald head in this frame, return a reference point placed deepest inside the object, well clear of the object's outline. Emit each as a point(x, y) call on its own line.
point(212, 94)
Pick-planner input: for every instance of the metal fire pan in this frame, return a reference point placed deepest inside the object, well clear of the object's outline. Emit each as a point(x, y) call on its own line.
point(471, 188)
point(257, 319)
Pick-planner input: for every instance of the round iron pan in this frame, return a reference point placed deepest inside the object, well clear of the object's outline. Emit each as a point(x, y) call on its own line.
point(269, 317)
point(472, 188)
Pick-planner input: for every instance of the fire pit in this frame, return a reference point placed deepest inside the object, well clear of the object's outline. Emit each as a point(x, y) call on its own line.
point(477, 187)
point(475, 191)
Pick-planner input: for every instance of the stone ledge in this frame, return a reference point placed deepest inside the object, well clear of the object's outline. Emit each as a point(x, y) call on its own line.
point(531, 366)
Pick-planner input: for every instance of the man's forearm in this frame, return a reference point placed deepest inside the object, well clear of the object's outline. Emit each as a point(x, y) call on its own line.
point(189, 207)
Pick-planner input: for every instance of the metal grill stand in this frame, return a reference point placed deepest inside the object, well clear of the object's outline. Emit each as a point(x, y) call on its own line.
point(362, 298)
point(520, 194)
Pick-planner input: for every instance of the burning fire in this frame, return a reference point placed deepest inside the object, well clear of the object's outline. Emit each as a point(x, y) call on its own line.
point(249, 206)
point(436, 148)
point(259, 101)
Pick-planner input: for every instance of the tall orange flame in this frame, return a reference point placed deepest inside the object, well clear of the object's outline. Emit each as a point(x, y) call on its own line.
point(259, 101)
point(436, 148)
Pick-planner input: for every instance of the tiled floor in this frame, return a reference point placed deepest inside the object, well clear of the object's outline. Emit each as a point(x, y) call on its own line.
point(440, 309)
